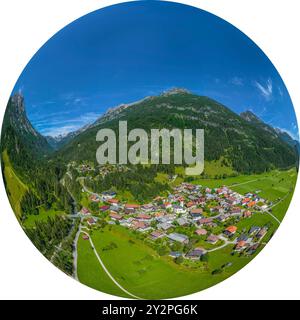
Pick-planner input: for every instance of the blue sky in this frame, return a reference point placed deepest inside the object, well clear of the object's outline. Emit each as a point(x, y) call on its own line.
point(125, 52)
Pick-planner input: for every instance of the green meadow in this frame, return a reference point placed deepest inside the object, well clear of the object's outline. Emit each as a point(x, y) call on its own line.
point(137, 267)
point(91, 273)
point(142, 272)
point(271, 186)
point(274, 186)
point(14, 186)
point(216, 167)
point(43, 215)
point(281, 208)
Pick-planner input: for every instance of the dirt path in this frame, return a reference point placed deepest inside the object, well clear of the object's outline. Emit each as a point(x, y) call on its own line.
point(105, 269)
point(274, 205)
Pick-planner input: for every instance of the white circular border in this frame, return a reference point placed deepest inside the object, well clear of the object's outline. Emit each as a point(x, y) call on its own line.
point(26, 25)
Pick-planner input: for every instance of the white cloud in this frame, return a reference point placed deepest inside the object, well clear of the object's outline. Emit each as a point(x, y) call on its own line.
point(265, 90)
point(280, 91)
point(237, 81)
point(21, 89)
point(71, 99)
point(294, 135)
point(55, 127)
point(64, 130)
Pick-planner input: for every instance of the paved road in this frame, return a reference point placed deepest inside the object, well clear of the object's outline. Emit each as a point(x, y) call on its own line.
point(267, 210)
point(270, 214)
point(239, 184)
point(107, 272)
point(218, 248)
point(75, 254)
point(227, 242)
point(274, 205)
point(89, 191)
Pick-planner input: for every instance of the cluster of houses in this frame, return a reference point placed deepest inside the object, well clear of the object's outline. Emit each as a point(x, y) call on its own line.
point(103, 170)
point(189, 206)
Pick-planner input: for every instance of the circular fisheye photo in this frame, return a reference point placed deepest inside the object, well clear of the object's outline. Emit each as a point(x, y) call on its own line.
point(149, 150)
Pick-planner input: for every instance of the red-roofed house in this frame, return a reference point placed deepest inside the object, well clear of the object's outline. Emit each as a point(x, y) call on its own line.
point(114, 202)
point(85, 211)
point(134, 206)
point(247, 214)
point(167, 205)
point(236, 210)
point(190, 204)
point(156, 235)
point(231, 230)
point(212, 239)
point(201, 232)
point(196, 212)
point(251, 204)
point(159, 214)
point(91, 221)
point(104, 208)
point(205, 221)
point(245, 200)
point(115, 216)
point(94, 198)
point(139, 225)
point(241, 245)
point(131, 208)
point(143, 216)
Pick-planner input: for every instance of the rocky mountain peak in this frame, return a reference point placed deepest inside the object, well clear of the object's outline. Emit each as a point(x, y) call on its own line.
point(175, 91)
point(250, 116)
point(18, 128)
point(17, 104)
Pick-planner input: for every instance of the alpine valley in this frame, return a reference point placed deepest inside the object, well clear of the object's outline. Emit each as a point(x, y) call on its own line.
point(158, 232)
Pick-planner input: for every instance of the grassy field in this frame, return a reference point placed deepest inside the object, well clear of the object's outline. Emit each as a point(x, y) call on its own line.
point(142, 272)
point(211, 169)
point(256, 182)
point(126, 196)
point(276, 186)
point(281, 208)
point(91, 273)
point(42, 216)
point(219, 258)
point(14, 186)
point(273, 186)
point(216, 167)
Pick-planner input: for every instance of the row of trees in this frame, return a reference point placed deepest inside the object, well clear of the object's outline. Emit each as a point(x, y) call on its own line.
point(139, 181)
point(63, 258)
point(46, 235)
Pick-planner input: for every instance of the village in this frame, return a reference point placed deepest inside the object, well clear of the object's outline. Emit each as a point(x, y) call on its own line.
point(191, 221)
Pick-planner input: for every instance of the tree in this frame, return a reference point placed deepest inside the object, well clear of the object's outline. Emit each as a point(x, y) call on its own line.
point(178, 260)
point(204, 258)
point(217, 271)
point(94, 207)
point(163, 250)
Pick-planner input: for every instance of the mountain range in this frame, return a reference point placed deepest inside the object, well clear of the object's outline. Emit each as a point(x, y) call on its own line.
point(244, 141)
point(24, 145)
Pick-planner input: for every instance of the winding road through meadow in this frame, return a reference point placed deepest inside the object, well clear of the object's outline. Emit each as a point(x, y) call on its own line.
point(106, 270)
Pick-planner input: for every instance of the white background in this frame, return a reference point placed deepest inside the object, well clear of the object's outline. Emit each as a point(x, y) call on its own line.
point(26, 25)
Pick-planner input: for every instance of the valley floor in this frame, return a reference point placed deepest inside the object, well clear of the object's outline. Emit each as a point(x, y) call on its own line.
point(143, 273)
point(118, 261)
